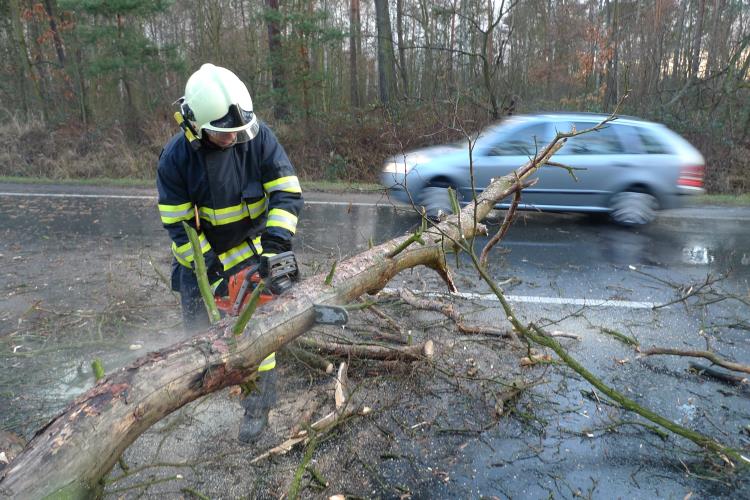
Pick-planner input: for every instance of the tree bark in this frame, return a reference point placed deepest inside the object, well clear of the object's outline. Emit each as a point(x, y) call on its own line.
point(401, 47)
point(354, 35)
point(386, 58)
point(276, 59)
point(697, 37)
point(79, 446)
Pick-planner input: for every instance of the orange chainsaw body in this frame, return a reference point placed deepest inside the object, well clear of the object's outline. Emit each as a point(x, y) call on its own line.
point(228, 304)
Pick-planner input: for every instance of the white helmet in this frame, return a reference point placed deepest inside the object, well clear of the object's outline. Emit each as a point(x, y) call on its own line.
point(216, 99)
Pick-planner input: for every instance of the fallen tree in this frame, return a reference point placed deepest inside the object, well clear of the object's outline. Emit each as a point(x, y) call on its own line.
point(69, 456)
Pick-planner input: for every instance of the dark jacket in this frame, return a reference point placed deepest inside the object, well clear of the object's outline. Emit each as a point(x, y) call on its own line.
point(247, 197)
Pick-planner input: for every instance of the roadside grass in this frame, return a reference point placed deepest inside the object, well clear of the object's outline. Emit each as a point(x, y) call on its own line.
point(722, 199)
point(97, 181)
point(327, 186)
point(340, 187)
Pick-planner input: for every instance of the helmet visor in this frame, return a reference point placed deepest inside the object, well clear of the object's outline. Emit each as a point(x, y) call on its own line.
point(227, 139)
point(235, 118)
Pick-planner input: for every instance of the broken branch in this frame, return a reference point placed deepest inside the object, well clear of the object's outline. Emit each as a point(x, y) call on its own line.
point(712, 357)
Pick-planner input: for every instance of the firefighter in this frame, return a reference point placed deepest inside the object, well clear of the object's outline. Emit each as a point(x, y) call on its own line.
point(226, 175)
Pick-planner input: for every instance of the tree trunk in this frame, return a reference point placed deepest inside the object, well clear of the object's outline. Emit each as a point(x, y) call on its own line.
point(401, 47)
point(697, 37)
point(59, 45)
point(68, 456)
point(612, 94)
point(354, 34)
point(25, 72)
point(276, 59)
point(386, 58)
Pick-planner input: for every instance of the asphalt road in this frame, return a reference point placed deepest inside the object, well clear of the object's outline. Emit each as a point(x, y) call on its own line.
point(567, 271)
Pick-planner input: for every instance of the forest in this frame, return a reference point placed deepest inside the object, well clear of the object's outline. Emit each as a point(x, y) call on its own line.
point(87, 86)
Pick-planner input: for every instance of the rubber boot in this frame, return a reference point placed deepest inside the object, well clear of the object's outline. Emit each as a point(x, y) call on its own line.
point(257, 405)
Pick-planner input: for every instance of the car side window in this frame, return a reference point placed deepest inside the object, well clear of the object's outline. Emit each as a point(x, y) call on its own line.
point(604, 141)
point(524, 142)
point(651, 144)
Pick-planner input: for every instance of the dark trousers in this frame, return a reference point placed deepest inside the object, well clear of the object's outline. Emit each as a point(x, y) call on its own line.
point(194, 315)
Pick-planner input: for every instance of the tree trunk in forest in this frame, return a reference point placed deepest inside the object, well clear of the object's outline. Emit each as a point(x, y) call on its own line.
point(130, 111)
point(276, 59)
point(69, 456)
point(59, 45)
point(24, 65)
point(401, 47)
point(697, 37)
point(354, 34)
point(612, 94)
point(386, 58)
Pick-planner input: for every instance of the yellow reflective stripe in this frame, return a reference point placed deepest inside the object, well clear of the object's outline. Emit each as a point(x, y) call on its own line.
point(175, 213)
point(258, 208)
point(226, 215)
point(268, 364)
point(281, 218)
point(289, 184)
point(257, 245)
point(184, 253)
point(216, 284)
point(235, 255)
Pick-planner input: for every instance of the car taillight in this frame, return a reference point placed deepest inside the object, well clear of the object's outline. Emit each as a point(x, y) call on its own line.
point(691, 176)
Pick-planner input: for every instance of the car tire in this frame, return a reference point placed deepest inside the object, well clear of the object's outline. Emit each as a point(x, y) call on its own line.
point(633, 208)
point(436, 202)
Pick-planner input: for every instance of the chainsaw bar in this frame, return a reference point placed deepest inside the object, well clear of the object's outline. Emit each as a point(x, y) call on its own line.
point(330, 315)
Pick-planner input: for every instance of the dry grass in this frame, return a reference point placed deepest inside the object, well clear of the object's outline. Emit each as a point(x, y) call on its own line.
point(346, 147)
point(33, 150)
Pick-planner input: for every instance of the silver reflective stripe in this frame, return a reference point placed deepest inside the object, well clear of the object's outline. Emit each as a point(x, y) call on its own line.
point(235, 256)
point(256, 209)
point(227, 215)
point(216, 216)
point(290, 221)
point(188, 252)
point(291, 184)
point(173, 214)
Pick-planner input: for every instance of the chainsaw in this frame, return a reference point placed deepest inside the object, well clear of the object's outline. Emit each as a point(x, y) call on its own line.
point(279, 273)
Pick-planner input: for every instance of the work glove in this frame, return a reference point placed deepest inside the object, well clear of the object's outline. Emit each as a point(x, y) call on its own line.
point(273, 245)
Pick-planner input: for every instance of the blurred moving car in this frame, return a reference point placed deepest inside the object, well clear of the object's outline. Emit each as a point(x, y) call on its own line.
point(630, 168)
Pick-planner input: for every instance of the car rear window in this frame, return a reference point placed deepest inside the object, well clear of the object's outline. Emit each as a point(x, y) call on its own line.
point(604, 141)
point(651, 144)
point(526, 141)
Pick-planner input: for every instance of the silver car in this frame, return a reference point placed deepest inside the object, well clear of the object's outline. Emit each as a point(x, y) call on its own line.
point(629, 169)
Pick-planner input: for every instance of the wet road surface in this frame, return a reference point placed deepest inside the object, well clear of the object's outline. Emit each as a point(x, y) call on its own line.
point(577, 274)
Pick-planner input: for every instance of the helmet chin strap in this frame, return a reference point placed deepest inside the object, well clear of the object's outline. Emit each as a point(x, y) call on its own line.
point(188, 129)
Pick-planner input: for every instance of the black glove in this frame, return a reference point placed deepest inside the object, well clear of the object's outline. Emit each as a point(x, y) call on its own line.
point(274, 245)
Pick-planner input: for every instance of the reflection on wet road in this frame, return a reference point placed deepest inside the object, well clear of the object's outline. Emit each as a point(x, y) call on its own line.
point(563, 255)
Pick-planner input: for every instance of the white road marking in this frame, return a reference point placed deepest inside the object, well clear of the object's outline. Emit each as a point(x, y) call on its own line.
point(77, 195)
point(146, 197)
point(531, 299)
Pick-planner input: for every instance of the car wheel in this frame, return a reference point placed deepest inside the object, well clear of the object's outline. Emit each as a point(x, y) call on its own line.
point(436, 202)
point(633, 208)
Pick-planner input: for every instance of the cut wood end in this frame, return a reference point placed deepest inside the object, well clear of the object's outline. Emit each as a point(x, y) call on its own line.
point(340, 392)
point(429, 349)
